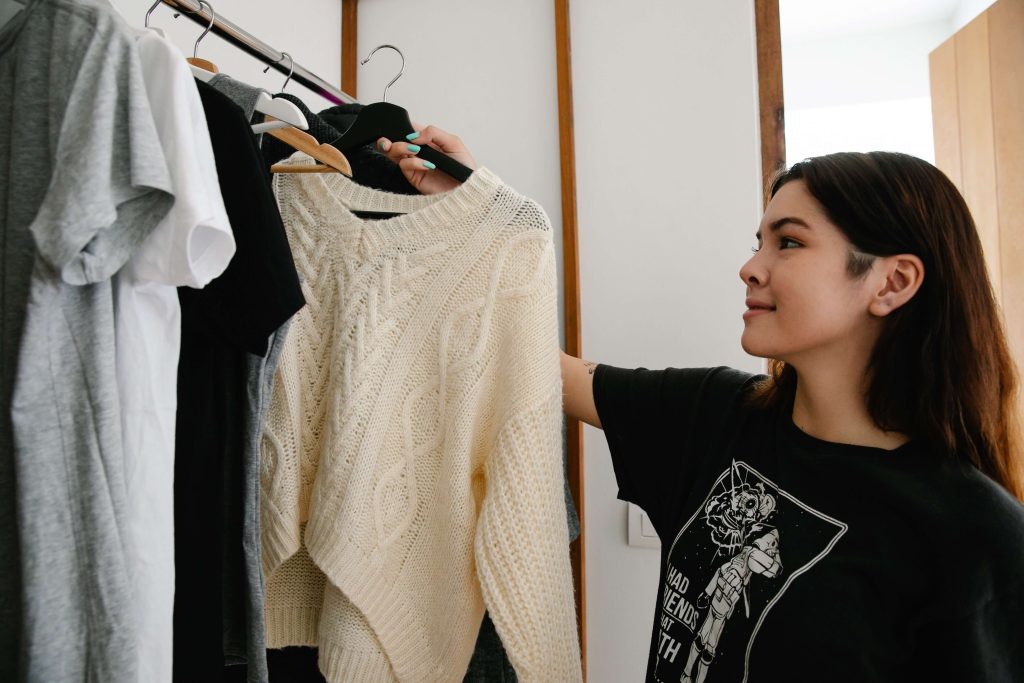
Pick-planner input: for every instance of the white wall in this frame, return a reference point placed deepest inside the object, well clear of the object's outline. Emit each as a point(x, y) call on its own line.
point(668, 174)
point(876, 66)
point(859, 92)
point(966, 11)
point(864, 88)
point(314, 42)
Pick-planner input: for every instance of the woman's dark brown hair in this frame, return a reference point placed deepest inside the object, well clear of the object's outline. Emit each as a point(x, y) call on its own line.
point(941, 371)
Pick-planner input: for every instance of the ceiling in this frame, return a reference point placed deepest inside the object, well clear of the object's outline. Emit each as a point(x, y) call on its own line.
point(814, 19)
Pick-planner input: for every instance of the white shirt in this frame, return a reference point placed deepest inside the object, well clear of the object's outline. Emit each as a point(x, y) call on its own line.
point(192, 246)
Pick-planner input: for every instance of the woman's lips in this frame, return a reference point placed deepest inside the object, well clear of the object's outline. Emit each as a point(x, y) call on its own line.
point(754, 312)
point(756, 308)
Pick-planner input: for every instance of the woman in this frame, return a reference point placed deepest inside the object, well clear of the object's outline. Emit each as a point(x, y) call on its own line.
point(855, 515)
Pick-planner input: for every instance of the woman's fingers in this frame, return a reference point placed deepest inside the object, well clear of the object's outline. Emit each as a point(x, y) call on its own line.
point(445, 142)
point(420, 172)
point(412, 164)
point(396, 151)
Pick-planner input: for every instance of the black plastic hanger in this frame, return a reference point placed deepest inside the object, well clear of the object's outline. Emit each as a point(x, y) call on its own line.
point(386, 120)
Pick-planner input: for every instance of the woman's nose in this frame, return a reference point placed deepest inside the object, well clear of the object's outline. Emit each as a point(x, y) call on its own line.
point(752, 273)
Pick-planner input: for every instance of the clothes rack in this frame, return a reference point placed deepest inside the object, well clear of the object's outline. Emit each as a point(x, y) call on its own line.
point(257, 48)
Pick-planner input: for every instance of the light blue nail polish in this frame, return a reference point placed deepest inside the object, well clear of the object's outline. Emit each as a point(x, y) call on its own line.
point(427, 164)
point(381, 145)
point(412, 136)
point(414, 148)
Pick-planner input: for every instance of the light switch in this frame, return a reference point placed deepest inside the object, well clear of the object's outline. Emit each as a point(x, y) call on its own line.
point(641, 533)
point(646, 528)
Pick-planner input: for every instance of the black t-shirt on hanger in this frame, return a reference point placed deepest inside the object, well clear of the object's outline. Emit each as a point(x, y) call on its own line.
point(789, 558)
point(231, 317)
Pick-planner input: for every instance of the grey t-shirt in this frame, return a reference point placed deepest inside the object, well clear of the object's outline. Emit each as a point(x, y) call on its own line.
point(242, 94)
point(243, 631)
point(84, 182)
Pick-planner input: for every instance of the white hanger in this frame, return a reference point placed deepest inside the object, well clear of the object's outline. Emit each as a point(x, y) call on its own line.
point(286, 113)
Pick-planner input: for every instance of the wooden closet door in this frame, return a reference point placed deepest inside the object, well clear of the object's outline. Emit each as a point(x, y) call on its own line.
point(978, 115)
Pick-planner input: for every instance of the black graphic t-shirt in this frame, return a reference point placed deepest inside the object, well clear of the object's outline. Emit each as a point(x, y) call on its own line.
point(789, 558)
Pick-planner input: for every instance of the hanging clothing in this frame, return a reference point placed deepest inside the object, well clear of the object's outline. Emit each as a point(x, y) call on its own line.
point(243, 631)
point(372, 168)
point(224, 324)
point(190, 247)
point(414, 441)
point(89, 183)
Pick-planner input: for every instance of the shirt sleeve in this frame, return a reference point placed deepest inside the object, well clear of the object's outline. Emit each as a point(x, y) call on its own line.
point(522, 539)
point(194, 243)
point(985, 646)
point(656, 423)
point(110, 186)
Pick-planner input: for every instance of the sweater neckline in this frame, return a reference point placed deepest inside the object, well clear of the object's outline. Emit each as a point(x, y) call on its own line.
point(419, 212)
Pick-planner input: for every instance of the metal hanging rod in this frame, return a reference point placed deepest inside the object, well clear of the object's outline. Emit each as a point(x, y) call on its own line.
point(245, 41)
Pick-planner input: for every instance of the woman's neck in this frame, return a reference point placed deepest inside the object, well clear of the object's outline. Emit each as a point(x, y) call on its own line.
point(831, 405)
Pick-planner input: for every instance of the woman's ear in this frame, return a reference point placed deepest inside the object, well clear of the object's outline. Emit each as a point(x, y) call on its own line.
point(903, 275)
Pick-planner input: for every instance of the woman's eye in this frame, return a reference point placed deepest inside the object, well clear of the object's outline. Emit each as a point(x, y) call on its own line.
point(756, 249)
point(786, 243)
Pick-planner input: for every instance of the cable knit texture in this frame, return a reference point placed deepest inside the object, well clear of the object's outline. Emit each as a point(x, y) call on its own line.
point(412, 458)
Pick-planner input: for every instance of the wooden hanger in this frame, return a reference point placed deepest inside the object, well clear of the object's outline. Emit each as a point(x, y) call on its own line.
point(330, 158)
point(203, 69)
point(203, 65)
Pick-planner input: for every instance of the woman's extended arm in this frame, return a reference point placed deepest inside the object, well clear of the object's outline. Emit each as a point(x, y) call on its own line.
point(578, 389)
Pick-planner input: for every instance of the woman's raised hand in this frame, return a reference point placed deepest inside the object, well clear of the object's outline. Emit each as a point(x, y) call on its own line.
point(421, 174)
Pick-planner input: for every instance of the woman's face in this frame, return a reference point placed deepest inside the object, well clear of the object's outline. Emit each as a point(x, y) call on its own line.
point(801, 302)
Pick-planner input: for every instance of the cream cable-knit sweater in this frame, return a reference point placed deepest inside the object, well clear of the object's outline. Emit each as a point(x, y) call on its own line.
point(413, 451)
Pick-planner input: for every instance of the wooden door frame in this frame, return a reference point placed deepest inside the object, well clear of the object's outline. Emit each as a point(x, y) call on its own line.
point(349, 46)
point(571, 292)
point(769, 89)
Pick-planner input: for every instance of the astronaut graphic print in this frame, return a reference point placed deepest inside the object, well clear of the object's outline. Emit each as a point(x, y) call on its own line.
point(729, 564)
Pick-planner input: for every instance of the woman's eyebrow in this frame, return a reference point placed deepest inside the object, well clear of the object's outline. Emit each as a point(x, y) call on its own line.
point(787, 220)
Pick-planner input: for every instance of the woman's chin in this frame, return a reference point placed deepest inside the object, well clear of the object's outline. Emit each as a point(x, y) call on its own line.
point(753, 347)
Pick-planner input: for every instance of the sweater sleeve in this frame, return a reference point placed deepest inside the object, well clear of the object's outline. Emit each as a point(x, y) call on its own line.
point(522, 540)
